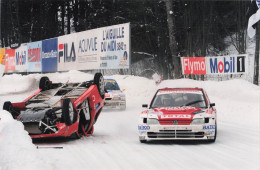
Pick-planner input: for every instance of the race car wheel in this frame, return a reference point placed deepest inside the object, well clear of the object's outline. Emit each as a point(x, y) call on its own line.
point(45, 83)
point(68, 113)
point(85, 117)
point(143, 141)
point(215, 136)
point(9, 107)
point(99, 81)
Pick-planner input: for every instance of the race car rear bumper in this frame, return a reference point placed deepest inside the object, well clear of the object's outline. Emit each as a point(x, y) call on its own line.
point(176, 132)
point(115, 103)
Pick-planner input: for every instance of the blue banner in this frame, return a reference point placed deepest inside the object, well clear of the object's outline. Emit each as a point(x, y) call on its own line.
point(49, 55)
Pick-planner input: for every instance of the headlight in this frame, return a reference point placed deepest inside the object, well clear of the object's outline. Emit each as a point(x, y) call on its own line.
point(200, 111)
point(197, 121)
point(152, 121)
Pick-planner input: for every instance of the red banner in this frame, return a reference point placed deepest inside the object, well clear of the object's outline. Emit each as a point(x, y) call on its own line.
point(194, 65)
point(9, 60)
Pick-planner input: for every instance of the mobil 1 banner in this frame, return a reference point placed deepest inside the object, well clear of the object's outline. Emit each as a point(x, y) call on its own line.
point(102, 48)
point(49, 55)
point(21, 58)
point(233, 64)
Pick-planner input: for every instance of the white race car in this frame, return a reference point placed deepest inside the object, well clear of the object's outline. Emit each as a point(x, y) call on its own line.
point(114, 97)
point(179, 114)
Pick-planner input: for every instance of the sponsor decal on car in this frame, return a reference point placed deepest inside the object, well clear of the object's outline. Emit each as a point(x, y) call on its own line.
point(209, 127)
point(179, 91)
point(143, 127)
point(181, 116)
point(177, 108)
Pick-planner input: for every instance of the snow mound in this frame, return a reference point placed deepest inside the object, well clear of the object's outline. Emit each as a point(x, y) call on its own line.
point(14, 139)
point(19, 84)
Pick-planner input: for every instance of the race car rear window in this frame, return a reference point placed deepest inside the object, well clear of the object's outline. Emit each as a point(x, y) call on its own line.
point(111, 85)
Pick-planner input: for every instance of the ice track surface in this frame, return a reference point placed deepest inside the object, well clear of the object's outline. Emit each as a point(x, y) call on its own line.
point(115, 144)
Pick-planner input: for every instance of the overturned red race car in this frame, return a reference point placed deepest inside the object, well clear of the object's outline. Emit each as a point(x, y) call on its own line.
point(61, 110)
point(179, 114)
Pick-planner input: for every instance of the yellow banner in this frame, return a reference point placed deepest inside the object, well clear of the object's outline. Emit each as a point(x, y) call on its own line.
point(2, 56)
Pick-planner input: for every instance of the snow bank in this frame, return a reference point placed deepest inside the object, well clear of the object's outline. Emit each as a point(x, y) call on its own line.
point(16, 148)
point(16, 83)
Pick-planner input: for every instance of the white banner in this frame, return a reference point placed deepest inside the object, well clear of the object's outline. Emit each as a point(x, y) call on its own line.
point(21, 58)
point(101, 48)
point(232, 64)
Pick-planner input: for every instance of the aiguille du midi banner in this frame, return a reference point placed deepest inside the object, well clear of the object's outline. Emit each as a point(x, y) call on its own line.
point(219, 65)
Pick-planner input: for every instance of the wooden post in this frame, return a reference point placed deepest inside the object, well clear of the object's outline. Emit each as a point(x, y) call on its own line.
point(256, 64)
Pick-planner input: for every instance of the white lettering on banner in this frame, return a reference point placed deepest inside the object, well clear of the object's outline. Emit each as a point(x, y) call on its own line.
point(194, 65)
point(180, 116)
point(51, 54)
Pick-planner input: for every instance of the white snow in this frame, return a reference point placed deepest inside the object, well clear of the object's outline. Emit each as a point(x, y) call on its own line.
point(115, 144)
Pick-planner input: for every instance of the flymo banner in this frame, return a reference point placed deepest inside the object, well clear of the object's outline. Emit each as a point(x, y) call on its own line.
point(233, 64)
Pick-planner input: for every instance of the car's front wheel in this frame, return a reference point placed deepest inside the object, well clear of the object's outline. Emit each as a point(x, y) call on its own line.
point(215, 136)
point(142, 140)
point(68, 113)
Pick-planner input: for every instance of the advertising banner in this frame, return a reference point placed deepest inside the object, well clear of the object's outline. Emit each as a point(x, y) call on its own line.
point(194, 65)
point(101, 48)
point(21, 58)
point(34, 57)
point(115, 47)
point(233, 64)
point(2, 61)
point(49, 55)
point(9, 60)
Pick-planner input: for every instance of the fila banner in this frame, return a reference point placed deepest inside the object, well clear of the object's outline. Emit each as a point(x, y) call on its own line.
point(101, 48)
point(233, 64)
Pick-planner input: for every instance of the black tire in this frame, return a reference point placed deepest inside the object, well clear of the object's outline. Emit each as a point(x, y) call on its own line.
point(215, 136)
point(85, 116)
point(99, 81)
point(69, 115)
point(45, 83)
point(9, 107)
point(143, 141)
